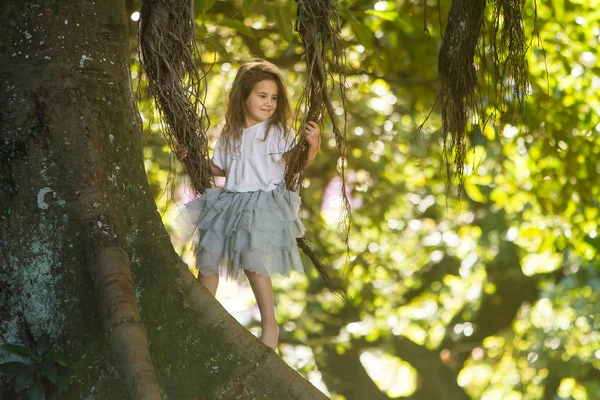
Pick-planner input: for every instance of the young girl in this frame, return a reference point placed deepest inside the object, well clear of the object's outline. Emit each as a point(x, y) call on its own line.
point(251, 224)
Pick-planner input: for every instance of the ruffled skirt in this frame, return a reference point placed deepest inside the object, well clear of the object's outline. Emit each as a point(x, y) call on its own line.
point(255, 231)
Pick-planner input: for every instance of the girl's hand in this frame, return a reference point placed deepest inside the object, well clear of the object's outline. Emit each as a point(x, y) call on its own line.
point(216, 171)
point(312, 134)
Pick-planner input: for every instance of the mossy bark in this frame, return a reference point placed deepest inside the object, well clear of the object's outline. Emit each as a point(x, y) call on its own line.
point(72, 184)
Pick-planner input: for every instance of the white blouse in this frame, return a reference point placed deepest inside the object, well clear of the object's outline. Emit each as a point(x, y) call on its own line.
point(257, 164)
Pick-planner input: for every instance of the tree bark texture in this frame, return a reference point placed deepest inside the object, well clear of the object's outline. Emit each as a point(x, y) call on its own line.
point(84, 256)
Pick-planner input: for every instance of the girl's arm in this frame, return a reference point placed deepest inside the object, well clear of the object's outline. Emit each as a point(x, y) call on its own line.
point(312, 133)
point(216, 171)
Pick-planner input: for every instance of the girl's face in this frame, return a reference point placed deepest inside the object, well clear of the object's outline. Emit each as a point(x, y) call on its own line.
point(261, 103)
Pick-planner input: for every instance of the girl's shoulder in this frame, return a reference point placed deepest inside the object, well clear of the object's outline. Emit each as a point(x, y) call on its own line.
point(278, 129)
point(280, 138)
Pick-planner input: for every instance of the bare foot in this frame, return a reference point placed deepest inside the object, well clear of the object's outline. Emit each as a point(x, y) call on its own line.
point(270, 335)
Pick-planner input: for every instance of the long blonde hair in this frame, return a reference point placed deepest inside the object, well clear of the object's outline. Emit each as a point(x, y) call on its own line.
point(246, 78)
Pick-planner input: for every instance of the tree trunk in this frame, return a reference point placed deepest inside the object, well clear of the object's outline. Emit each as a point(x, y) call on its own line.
point(77, 214)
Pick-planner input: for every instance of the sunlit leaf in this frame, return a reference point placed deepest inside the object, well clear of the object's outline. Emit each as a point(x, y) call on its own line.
point(284, 20)
point(474, 193)
point(387, 15)
point(202, 6)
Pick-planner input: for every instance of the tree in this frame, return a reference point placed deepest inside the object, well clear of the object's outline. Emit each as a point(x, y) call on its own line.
point(497, 293)
point(81, 237)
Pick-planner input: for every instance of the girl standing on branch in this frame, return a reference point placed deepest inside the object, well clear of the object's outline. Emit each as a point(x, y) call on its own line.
point(251, 224)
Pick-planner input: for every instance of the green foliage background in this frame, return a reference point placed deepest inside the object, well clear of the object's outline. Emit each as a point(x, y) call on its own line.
point(495, 294)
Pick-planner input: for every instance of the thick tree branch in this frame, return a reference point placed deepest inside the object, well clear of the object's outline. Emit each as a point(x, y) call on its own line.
point(440, 379)
point(551, 384)
point(433, 272)
point(497, 310)
point(343, 373)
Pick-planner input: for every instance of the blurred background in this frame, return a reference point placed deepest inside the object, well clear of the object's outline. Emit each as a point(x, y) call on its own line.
point(491, 295)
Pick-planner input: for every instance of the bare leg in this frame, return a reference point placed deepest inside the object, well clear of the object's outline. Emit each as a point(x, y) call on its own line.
point(210, 282)
point(263, 291)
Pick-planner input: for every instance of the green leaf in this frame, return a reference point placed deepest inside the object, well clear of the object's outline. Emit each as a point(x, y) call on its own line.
point(238, 26)
point(60, 359)
point(363, 34)
point(474, 193)
point(284, 21)
point(391, 16)
point(14, 368)
point(62, 381)
point(594, 242)
point(18, 350)
point(202, 6)
point(217, 46)
point(201, 31)
point(23, 380)
point(559, 9)
point(42, 344)
point(37, 392)
point(547, 244)
point(247, 7)
point(49, 370)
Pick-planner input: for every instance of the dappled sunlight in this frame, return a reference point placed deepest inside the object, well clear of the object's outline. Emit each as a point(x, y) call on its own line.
point(392, 375)
point(502, 282)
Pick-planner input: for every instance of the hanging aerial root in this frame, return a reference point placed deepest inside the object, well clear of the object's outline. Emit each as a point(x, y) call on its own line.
point(459, 81)
point(507, 76)
point(177, 81)
point(330, 278)
point(318, 26)
point(509, 47)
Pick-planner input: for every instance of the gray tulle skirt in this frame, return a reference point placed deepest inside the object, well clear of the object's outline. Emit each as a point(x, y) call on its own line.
point(255, 231)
